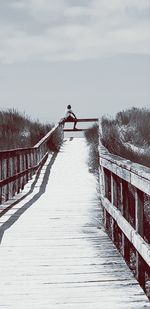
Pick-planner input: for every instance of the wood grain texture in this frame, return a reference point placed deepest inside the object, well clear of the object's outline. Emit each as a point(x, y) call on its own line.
point(136, 174)
point(56, 255)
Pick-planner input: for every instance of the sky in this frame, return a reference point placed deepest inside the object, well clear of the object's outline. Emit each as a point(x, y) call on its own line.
point(92, 54)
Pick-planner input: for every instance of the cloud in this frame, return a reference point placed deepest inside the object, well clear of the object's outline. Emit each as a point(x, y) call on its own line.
point(72, 30)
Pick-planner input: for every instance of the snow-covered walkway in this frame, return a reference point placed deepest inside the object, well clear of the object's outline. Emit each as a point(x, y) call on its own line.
point(54, 253)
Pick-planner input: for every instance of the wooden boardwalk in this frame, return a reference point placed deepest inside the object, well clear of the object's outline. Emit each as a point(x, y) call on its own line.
point(54, 252)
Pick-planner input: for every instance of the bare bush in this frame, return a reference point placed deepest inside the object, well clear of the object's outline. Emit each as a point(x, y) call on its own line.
point(92, 136)
point(18, 131)
point(138, 120)
point(136, 130)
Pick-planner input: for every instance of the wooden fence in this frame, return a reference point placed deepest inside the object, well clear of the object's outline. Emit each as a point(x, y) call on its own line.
point(125, 194)
point(18, 166)
point(79, 121)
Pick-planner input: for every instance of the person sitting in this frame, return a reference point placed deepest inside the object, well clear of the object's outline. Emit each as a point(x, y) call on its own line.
point(70, 116)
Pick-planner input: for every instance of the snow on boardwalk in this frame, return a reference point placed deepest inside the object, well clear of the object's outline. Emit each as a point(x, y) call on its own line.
point(57, 255)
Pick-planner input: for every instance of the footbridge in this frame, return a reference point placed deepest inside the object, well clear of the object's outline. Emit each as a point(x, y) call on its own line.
point(67, 239)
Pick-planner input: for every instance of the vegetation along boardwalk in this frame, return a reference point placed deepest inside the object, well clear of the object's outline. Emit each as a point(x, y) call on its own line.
point(54, 251)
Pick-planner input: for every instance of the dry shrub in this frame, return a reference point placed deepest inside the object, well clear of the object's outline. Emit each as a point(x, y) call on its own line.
point(18, 131)
point(92, 136)
point(138, 131)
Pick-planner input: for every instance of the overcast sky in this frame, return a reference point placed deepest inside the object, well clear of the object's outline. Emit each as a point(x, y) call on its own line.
point(92, 54)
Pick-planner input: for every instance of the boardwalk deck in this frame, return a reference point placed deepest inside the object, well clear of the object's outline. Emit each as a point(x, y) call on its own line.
point(56, 255)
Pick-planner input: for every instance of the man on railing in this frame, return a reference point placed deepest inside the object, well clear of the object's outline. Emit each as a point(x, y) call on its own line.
point(69, 116)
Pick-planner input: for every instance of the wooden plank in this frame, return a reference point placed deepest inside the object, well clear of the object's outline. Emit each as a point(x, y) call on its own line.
point(138, 242)
point(140, 183)
point(74, 130)
point(6, 206)
point(56, 255)
point(12, 183)
point(136, 174)
point(139, 212)
point(84, 120)
point(46, 137)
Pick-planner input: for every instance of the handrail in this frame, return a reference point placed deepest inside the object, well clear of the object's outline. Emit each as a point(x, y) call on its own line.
point(78, 120)
point(124, 189)
point(83, 120)
point(75, 130)
point(17, 166)
point(46, 137)
point(7, 180)
point(12, 152)
point(126, 169)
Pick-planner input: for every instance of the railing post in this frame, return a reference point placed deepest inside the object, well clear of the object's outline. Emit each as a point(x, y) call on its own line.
point(18, 171)
point(139, 211)
point(15, 183)
point(125, 211)
point(22, 169)
point(115, 200)
point(29, 164)
point(112, 201)
point(102, 181)
point(7, 175)
point(125, 248)
point(112, 189)
point(121, 196)
point(0, 179)
point(121, 209)
point(107, 179)
point(26, 166)
point(140, 270)
point(105, 218)
point(125, 192)
point(139, 215)
point(10, 185)
point(4, 175)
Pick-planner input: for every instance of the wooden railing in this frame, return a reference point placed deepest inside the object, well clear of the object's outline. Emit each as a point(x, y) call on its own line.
point(18, 166)
point(125, 195)
point(80, 120)
point(124, 188)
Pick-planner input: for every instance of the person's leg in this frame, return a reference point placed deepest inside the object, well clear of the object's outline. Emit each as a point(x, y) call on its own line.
point(75, 122)
point(71, 119)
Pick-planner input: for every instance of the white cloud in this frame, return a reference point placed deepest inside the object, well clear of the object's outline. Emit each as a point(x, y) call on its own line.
point(56, 30)
point(41, 10)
